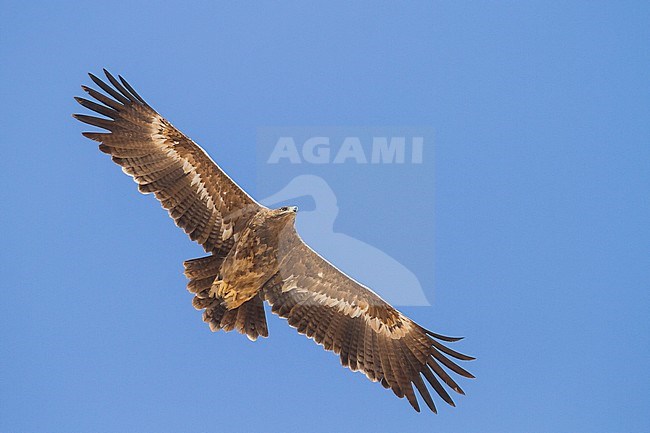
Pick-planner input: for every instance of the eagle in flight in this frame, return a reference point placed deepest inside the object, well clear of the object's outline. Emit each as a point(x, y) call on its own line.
point(256, 255)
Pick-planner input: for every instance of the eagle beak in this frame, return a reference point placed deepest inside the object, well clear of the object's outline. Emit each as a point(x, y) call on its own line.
point(294, 209)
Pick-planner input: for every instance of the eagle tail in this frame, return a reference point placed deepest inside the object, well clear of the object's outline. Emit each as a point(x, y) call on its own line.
point(249, 318)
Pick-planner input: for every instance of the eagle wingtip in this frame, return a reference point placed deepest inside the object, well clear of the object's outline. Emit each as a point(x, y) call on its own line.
point(95, 136)
point(108, 75)
point(440, 336)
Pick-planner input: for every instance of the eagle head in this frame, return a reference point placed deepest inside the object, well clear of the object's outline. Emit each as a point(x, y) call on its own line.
point(287, 210)
point(282, 215)
point(285, 213)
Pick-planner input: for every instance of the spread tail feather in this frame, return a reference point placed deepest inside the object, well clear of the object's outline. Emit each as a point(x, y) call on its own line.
point(248, 319)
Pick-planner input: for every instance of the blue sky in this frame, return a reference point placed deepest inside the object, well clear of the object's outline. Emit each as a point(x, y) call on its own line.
point(534, 222)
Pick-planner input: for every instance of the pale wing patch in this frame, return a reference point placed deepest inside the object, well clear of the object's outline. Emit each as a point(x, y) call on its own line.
point(351, 309)
point(290, 283)
point(227, 231)
point(196, 181)
point(395, 333)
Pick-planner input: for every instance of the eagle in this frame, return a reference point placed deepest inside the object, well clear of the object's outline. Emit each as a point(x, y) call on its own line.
point(256, 256)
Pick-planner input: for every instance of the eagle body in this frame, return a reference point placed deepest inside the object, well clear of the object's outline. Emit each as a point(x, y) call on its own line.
point(256, 256)
point(253, 259)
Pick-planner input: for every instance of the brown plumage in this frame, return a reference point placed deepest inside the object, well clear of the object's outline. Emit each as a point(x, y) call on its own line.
point(257, 256)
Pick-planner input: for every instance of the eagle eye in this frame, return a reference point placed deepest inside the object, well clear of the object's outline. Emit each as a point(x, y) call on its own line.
point(284, 208)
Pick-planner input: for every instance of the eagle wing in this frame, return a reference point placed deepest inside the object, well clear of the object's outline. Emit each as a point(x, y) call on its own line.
point(369, 335)
point(198, 195)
